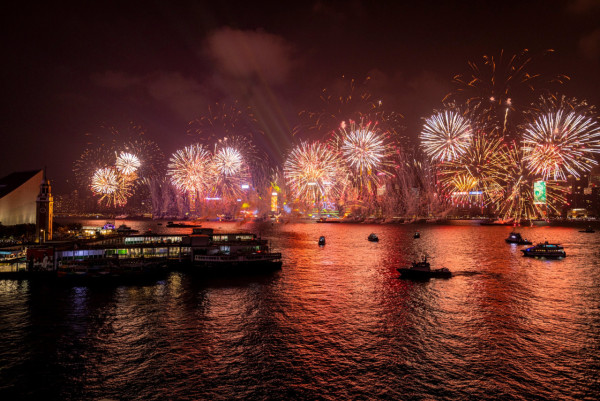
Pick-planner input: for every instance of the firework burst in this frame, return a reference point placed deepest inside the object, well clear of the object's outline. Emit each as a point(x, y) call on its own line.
point(228, 161)
point(111, 187)
point(519, 201)
point(134, 160)
point(561, 142)
point(366, 152)
point(236, 164)
point(90, 161)
point(149, 156)
point(105, 181)
point(190, 169)
point(127, 163)
point(446, 136)
point(477, 169)
point(313, 172)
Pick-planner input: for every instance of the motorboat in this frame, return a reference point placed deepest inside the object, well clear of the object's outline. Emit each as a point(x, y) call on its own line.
point(492, 222)
point(321, 240)
point(516, 238)
point(329, 220)
point(422, 270)
point(417, 235)
point(589, 229)
point(125, 229)
point(545, 250)
point(171, 224)
point(373, 237)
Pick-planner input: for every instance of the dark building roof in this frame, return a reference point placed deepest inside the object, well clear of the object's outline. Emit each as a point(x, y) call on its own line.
point(15, 180)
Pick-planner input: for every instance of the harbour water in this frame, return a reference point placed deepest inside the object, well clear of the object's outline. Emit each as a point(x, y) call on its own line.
point(334, 323)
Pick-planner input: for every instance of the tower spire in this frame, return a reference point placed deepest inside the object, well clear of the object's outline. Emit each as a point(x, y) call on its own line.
point(44, 210)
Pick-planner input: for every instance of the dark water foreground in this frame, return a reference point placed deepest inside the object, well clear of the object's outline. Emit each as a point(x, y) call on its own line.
point(334, 323)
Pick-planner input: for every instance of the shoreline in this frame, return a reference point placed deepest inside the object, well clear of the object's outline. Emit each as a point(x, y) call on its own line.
point(420, 222)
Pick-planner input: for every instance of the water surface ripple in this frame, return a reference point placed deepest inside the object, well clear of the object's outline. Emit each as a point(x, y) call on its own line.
point(334, 323)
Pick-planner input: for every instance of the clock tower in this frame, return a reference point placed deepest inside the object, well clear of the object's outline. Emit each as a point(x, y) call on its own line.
point(44, 211)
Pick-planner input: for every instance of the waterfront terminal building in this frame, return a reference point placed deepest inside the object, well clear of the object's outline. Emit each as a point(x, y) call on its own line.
point(26, 198)
point(18, 195)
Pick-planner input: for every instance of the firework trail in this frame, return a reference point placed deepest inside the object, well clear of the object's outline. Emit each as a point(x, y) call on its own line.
point(223, 120)
point(501, 87)
point(347, 100)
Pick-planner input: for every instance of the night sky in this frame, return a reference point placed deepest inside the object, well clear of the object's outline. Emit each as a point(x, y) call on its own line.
point(69, 69)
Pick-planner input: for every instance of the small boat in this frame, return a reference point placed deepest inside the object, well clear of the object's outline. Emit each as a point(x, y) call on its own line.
point(373, 237)
point(515, 238)
point(124, 229)
point(422, 270)
point(329, 220)
point(321, 240)
point(545, 250)
point(589, 229)
point(492, 222)
point(170, 224)
point(417, 235)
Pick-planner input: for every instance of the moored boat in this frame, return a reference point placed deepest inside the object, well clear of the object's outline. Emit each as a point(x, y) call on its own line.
point(417, 235)
point(321, 240)
point(148, 256)
point(545, 250)
point(589, 229)
point(373, 237)
point(238, 253)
